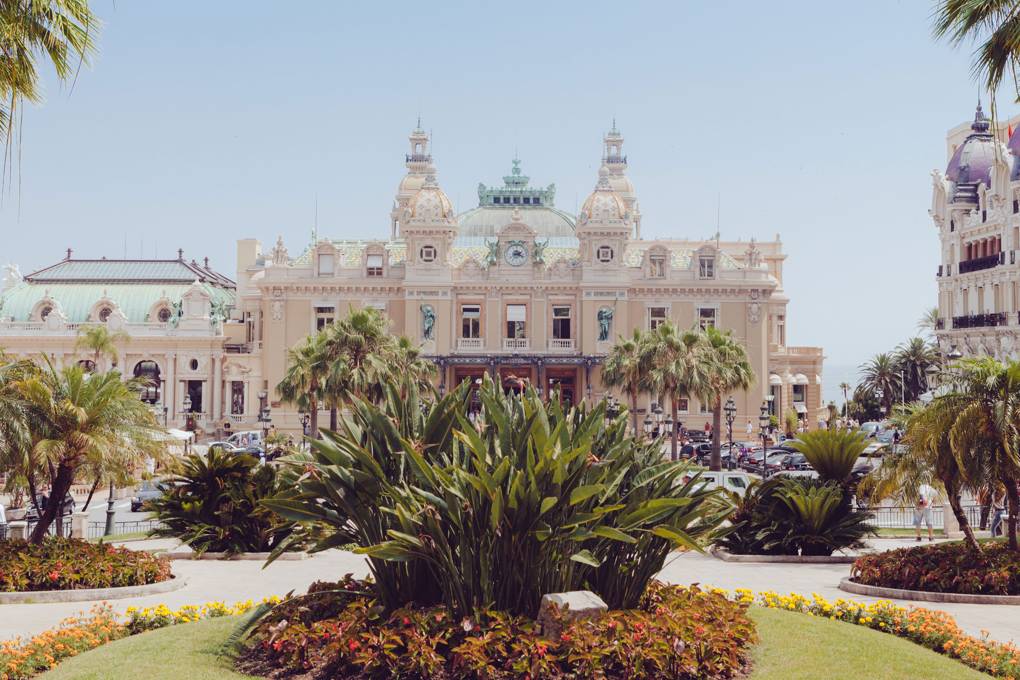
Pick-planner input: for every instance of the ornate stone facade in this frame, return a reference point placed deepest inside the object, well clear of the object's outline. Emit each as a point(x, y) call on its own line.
point(976, 209)
point(523, 290)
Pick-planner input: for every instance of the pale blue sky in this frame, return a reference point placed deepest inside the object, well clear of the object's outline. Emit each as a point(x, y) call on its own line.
point(204, 122)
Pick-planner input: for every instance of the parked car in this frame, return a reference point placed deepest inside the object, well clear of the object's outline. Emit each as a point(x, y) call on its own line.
point(246, 439)
point(66, 508)
point(226, 446)
point(147, 491)
point(796, 461)
point(731, 480)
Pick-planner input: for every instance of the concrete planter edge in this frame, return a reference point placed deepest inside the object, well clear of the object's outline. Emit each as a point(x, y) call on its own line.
point(727, 556)
point(849, 585)
point(93, 594)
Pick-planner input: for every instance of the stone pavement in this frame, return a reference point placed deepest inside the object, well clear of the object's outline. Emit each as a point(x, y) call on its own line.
point(242, 580)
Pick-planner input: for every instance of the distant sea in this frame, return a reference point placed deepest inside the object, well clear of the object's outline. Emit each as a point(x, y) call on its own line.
point(832, 376)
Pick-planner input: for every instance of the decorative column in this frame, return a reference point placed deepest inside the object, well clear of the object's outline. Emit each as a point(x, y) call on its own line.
point(216, 389)
point(170, 393)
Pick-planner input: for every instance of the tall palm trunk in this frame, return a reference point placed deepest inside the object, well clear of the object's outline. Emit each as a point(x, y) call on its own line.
point(1014, 509)
point(332, 418)
point(961, 518)
point(61, 485)
point(715, 462)
point(313, 406)
point(633, 411)
point(674, 414)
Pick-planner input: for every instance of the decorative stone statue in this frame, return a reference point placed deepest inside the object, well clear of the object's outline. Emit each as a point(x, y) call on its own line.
point(752, 256)
point(428, 322)
point(12, 277)
point(280, 257)
point(539, 252)
point(605, 317)
point(492, 257)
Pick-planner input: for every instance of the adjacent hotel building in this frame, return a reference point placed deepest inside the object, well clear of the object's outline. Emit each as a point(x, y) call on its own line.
point(514, 287)
point(976, 209)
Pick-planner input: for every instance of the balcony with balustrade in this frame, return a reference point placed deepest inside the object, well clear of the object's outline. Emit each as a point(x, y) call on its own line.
point(980, 263)
point(470, 344)
point(980, 320)
point(515, 344)
point(562, 344)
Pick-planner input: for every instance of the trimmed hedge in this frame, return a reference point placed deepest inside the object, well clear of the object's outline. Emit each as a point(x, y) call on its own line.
point(74, 564)
point(943, 568)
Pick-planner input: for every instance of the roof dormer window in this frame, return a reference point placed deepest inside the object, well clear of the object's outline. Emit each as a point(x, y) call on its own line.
point(326, 264)
point(657, 266)
point(706, 267)
point(104, 314)
point(163, 315)
point(374, 265)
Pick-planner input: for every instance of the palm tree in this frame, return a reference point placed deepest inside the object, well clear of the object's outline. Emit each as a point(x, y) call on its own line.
point(406, 360)
point(82, 421)
point(63, 31)
point(929, 320)
point(985, 403)
point(302, 381)
point(357, 349)
point(727, 368)
point(98, 340)
point(671, 357)
point(994, 25)
point(626, 368)
point(880, 378)
point(845, 388)
point(912, 358)
point(15, 432)
point(927, 459)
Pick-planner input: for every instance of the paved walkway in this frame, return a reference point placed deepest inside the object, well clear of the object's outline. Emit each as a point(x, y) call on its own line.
point(242, 580)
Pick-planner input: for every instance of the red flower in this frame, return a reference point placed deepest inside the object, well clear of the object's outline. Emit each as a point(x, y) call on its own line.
point(565, 637)
point(407, 621)
point(54, 575)
point(541, 648)
point(353, 645)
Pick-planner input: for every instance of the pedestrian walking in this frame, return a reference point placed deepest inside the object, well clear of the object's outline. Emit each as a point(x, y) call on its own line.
point(922, 512)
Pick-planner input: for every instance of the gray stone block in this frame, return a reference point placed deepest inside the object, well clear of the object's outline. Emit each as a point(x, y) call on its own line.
point(577, 604)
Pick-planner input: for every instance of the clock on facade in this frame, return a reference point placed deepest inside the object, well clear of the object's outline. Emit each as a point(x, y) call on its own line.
point(516, 253)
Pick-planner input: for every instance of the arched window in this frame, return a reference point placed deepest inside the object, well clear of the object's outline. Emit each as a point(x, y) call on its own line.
point(104, 314)
point(163, 315)
point(45, 312)
point(149, 370)
point(88, 365)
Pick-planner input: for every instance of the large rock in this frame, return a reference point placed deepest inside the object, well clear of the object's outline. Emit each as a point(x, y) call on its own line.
point(557, 608)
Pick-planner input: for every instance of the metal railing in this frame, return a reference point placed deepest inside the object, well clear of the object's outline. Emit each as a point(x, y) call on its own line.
point(980, 320)
point(64, 529)
point(976, 264)
point(98, 529)
point(902, 517)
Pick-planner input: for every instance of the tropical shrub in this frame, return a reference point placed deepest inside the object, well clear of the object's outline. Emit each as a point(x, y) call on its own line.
point(794, 516)
point(213, 504)
point(73, 564)
point(676, 632)
point(529, 501)
point(831, 453)
point(943, 568)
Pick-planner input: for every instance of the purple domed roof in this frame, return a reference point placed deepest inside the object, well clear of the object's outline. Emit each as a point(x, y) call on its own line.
point(972, 162)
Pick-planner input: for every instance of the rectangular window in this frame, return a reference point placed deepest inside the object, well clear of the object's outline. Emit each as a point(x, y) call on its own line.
point(781, 329)
point(506, 200)
point(236, 398)
point(537, 201)
point(527, 200)
point(471, 321)
point(706, 267)
point(561, 323)
point(495, 200)
point(516, 320)
point(704, 408)
point(656, 317)
point(683, 404)
point(798, 392)
point(657, 264)
point(326, 264)
point(323, 317)
point(706, 317)
point(374, 265)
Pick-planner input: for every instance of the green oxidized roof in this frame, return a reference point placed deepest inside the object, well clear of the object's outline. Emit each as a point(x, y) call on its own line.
point(135, 286)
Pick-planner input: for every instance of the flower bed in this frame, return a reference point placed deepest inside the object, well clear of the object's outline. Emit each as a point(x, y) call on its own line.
point(943, 568)
point(675, 633)
point(74, 564)
point(935, 630)
point(24, 659)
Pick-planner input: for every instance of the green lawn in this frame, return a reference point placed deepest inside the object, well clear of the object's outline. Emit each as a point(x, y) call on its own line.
point(793, 647)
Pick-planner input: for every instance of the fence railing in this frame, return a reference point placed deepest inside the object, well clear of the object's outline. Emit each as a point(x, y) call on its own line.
point(98, 529)
point(63, 530)
point(892, 517)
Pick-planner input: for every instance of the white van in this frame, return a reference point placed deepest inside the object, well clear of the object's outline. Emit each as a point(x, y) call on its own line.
point(735, 481)
point(246, 439)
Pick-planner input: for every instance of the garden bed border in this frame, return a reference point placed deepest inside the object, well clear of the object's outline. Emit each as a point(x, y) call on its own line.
point(92, 594)
point(849, 585)
point(727, 556)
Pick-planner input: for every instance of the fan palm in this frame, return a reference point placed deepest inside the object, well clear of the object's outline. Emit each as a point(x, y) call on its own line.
point(81, 421)
point(726, 368)
point(406, 360)
point(626, 368)
point(845, 388)
point(994, 25)
point(674, 369)
point(929, 320)
point(15, 435)
point(912, 358)
point(98, 340)
point(356, 350)
point(302, 382)
point(880, 378)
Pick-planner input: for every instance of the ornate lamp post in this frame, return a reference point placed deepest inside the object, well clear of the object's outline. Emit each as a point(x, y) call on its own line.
point(648, 426)
point(763, 424)
point(304, 418)
point(187, 412)
point(264, 415)
point(731, 415)
point(954, 354)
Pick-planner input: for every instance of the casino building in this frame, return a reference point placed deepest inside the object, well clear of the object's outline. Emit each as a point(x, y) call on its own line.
point(514, 287)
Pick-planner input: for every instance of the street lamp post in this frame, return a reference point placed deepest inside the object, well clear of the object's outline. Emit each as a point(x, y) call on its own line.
point(731, 415)
point(187, 411)
point(763, 424)
point(264, 415)
point(648, 426)
point(108, 530)
point(304, 418)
